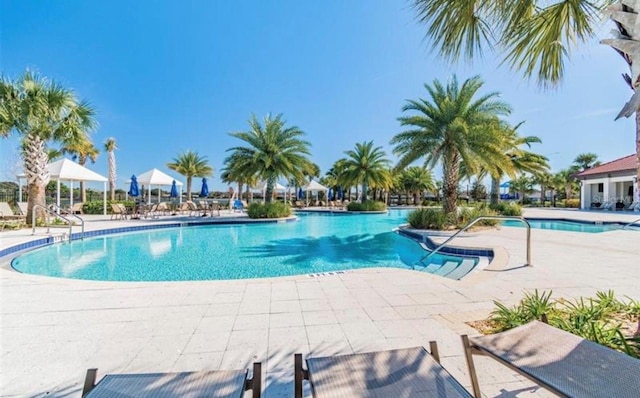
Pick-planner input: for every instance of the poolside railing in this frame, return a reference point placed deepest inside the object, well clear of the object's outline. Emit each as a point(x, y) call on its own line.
point(57, 213)
point(474, 221)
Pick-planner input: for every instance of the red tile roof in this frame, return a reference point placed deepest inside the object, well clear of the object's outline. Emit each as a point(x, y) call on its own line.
point(622, 164)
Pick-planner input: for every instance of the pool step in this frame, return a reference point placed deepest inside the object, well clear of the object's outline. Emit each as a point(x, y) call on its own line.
point(446, 268)
point(461, 270)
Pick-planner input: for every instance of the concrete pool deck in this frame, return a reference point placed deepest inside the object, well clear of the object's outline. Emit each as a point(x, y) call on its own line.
point(52, 330)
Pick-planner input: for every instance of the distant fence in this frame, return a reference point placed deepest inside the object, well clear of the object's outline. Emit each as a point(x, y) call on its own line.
point(14, 196)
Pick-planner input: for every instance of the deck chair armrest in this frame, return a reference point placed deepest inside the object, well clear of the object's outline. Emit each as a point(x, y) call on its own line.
point(89, 381)
point(255, 382)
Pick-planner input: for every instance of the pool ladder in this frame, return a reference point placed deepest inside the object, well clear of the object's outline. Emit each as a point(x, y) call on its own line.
point(631, 223)
point(474, 221)
point(56, 211)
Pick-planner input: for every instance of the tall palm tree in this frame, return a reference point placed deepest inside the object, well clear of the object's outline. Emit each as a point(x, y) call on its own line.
point(274, 150)
point(366, 165)
point(417, 180)
point(586, 161)
point(41, 111)
point(535, 36)
point(238, 169)
point(81, 149)
point(190, 165)
point(110, 146)
point(452, 128)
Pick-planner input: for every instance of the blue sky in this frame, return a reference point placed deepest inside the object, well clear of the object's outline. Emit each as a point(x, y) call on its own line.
point(166, 77)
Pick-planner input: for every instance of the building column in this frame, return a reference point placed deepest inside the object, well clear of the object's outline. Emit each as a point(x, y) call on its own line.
point(585, 195)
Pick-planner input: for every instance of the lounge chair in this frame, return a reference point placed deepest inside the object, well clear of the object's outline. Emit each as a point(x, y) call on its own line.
point(214, 207)
point(395, 373)
point(77, 208)
point(238, 205)
point(7, 214)
point(561, 362)
point(23, 207)
point(118, 211)
point(218, 384)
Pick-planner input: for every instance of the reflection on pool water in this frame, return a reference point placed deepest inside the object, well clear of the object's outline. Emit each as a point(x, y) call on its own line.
point(314, 244)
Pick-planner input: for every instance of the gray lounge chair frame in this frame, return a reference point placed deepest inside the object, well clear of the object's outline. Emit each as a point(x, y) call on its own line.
point(217, 384)
point(378, 374)
point(561, 362)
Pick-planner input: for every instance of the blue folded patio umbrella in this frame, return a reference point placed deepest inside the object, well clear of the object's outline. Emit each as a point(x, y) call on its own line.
point(340, 193)
point(133, 188)
point(299, 193)
point(204, 191)
point(330, 194)
point(174, 190)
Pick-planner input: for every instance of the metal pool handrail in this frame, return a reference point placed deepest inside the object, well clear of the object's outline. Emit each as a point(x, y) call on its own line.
point(631, 223)
point(475, 220)
point(57, 214)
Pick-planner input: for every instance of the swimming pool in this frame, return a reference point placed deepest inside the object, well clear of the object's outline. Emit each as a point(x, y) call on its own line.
point(569, 225)
point(316, 243)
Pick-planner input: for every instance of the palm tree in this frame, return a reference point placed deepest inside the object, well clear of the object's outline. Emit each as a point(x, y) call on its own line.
point(110, 146)
point(453, 128)
point(41, 111)
point(523, 185)
point(417, 180)
point(274, 150)
point(520, 160)
point(545, 181)
point(536, 37)
point(190, 165)
point(238, 169)
point(586, 161)
point(366, 165)
point(81, 149)
point(564, 179)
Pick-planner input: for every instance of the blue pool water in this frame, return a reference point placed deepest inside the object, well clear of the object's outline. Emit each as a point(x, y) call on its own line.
point(316, 243)
point(558, 225)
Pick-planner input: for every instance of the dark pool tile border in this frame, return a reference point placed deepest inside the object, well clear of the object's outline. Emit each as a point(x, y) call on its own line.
point(33, 244)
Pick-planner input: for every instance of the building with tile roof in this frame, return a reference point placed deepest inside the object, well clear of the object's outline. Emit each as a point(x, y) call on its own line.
point(612, 182)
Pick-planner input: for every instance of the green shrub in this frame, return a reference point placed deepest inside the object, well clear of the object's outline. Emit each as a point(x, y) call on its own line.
point(469, 214)
point(427, 219)
point(268, 210)
point(572, 203)
point(430, 203)
point(507, 209)
point(95, 206)
point(598, 319)
point(369, 205)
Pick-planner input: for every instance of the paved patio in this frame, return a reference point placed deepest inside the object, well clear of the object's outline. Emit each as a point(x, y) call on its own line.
point(52, 330)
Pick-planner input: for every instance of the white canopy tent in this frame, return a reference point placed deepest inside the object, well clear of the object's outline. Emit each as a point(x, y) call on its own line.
point(315, 187)
point(263, 188)
point(68, 170)
point(156, 177)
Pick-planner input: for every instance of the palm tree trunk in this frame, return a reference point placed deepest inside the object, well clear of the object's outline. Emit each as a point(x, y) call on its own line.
point(188, 188)
point(112, 175)
point(450, 175)
point(35, 166)
point(269, 191)
point(495, 191)
point(83, 190)
point(364, 192)
point(543, 192)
